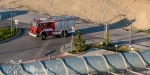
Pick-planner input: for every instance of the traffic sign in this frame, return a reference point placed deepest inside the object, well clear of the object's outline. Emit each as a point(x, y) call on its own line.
point(73, 29)
point(16, 21)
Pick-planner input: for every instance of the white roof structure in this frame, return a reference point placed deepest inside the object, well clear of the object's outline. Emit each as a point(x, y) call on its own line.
point(131, 62)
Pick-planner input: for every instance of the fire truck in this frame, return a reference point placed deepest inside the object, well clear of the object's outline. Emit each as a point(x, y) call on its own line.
point(51, 26)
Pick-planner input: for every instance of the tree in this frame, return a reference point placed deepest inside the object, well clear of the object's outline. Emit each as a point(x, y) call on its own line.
point(78, 42)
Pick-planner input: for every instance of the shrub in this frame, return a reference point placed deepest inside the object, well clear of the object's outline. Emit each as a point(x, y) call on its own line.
point(138, 31)
point(145, 31)
point(5, 33)
point(72, 52)
point(109, 44)
point(122, 49)
point(79, 42)
point(95, 45)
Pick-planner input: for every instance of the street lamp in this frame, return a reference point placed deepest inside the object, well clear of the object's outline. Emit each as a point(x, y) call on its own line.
point(116, 47)
point(0, 16)
point(130, 39)
point(101, 45)
point(11, 13)
point(72, 36)
point(107, 26)
point(129, 48)
point(64, 33)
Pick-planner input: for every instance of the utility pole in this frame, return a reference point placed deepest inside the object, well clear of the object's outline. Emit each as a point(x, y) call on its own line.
point(11, 21)
point(107, 27)
point(64, 33)
point(130, 39)
point(0, 16)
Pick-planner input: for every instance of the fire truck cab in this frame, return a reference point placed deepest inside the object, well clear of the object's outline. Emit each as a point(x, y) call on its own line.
point(51, 26)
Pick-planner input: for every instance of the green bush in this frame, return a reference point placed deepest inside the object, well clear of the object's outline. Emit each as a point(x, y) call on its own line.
point(136, 50)
point(110, 47)
point(79, 42)
point(138, 31)
point(95, 45)
point(145, 31)
point(122, 49)
point(109, 44)
point(72, 52)
point(5, 33)
point(87, 47)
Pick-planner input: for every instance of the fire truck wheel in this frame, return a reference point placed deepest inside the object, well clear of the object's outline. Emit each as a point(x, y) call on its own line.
point(43, 36)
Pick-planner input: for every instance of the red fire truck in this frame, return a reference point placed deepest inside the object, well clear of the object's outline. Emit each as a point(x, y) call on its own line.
point(45, 27)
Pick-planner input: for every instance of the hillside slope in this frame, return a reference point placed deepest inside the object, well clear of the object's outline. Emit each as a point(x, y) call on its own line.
point(95, 10)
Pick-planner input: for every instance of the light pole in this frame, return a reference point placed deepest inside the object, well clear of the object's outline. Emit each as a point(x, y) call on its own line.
point(116, 47)
point(107, 27)
point(71, 43)
point(130, 37)
point(64, 33)
point(11, 13)
point(129, 48)
point(107, 34)
point(0, 16)
point(101, 45)
point(73, 30)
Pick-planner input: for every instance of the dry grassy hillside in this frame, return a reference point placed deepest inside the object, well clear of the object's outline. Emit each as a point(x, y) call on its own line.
point(90, 9)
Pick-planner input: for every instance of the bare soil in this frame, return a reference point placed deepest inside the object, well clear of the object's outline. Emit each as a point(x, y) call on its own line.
point(116, 12)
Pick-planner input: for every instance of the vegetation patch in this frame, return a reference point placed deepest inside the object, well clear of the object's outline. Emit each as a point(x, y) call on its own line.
point(5, 33)
point(80, 51)
point(79, 46)
point(111, 47)
point(144, 31)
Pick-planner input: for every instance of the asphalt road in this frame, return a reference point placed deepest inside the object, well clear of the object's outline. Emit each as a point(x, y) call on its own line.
point(27, 48)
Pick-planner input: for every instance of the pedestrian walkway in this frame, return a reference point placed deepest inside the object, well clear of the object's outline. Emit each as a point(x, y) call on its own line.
point(90, 52)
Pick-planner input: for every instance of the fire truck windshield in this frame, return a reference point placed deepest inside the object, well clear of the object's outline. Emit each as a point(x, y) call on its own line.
point(34, 24)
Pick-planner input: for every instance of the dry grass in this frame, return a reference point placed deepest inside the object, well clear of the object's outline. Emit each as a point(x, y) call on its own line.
point(93, 10)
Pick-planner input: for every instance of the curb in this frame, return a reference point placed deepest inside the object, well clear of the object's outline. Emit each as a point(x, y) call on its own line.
point(87, 51)
point(11, 38)
point(66, 53)
point(80, 53)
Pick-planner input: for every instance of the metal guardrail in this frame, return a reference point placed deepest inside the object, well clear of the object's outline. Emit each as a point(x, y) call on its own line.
point(49, 54)
point(96, 65)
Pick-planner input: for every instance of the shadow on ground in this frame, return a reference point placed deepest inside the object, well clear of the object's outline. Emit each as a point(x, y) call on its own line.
point(120, 24)
point(7, 14)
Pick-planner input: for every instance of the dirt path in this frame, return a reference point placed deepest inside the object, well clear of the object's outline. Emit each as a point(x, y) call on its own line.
point(94, 10)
